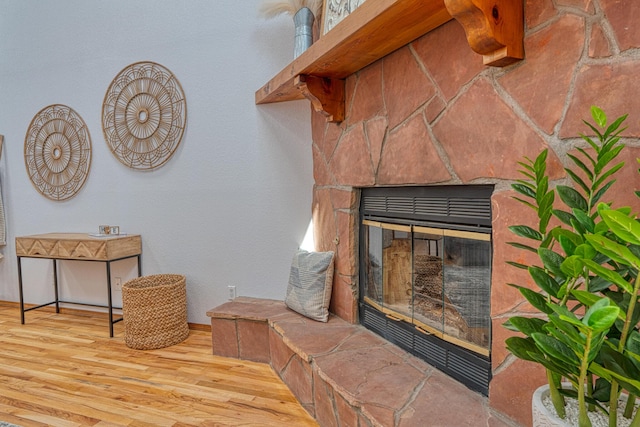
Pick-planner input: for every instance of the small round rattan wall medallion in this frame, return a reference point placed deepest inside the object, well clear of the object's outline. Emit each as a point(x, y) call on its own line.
point(144, 115)
point(57, 152)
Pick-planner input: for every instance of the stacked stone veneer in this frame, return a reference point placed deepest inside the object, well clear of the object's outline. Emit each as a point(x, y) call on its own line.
point(432, 114)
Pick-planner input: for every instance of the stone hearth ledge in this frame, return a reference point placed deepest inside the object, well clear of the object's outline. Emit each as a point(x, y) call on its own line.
point(343, 374)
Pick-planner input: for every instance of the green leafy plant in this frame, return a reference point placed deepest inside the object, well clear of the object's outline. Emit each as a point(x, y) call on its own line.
point(587, 279)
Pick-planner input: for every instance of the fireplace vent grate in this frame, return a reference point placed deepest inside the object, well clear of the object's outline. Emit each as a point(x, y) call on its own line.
point(431, 206)
point(400, 205)
point(464, 369)
point(470, 208)
point(397, 335)
point(435, 354)
point(374, 321)
point(448, 204)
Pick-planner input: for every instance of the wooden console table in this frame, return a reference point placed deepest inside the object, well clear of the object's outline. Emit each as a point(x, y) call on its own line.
point(77, 247)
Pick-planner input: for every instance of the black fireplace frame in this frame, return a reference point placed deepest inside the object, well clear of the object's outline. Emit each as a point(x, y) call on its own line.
point(463, 208)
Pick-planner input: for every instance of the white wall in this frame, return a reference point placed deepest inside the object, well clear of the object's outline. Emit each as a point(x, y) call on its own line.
point(232, 204)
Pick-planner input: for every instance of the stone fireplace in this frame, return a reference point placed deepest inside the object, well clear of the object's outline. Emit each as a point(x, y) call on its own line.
point(431, 115)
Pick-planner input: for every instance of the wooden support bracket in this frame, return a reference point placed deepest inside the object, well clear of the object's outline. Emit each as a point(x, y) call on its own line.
point(326, 95)
point(494, 28)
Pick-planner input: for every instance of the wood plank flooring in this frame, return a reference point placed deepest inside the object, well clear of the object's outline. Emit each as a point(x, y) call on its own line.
point(64, 370)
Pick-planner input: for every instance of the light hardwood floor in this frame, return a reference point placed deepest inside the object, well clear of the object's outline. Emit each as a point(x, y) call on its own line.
point(64, 370)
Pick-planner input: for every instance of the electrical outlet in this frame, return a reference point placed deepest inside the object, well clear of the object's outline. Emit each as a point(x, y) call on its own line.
point(232, 292)
point(117, 284)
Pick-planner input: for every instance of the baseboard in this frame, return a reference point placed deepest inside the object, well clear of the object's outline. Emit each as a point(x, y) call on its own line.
point(85, 312)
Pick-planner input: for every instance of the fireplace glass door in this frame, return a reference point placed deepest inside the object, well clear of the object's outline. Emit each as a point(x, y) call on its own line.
point(437, 280)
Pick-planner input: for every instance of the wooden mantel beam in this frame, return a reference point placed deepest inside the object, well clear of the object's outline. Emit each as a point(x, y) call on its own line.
point(494, 28)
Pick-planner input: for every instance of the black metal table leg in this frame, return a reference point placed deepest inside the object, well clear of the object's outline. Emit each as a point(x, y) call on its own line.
point(55, 284)
point(110, 299)
point(20, 288)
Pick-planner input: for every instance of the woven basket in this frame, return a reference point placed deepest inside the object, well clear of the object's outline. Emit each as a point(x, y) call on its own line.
point(154, 309)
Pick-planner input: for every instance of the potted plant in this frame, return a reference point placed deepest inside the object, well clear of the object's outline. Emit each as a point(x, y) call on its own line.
point(586, 275)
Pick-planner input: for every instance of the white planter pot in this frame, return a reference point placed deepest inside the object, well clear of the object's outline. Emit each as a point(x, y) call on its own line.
point(543, 417)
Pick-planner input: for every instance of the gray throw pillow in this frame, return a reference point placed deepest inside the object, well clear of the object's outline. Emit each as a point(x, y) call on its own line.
point(310, 283)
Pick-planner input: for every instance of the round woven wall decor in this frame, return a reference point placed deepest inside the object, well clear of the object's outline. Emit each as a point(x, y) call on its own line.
point(144, 115)
point(57, 152)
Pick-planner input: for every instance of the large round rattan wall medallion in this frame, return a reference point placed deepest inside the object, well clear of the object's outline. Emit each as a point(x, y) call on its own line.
point(144, 115)
point(57, 152)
